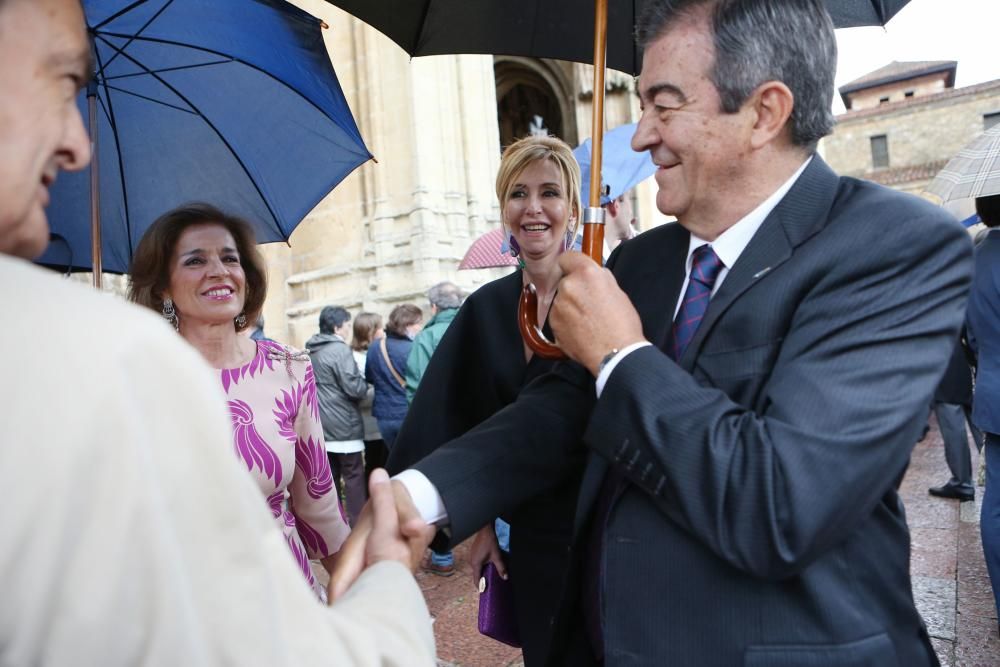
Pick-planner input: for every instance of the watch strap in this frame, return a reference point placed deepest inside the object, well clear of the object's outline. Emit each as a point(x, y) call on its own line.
point(607, 359)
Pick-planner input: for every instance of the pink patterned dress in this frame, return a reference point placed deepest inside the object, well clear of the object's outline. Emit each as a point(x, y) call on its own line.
point(278, 434)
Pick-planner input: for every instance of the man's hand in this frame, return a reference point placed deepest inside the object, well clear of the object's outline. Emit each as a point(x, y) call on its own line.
point(389, 528)
point(591, 315)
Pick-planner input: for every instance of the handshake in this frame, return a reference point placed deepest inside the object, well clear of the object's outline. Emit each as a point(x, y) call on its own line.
point(388, 528)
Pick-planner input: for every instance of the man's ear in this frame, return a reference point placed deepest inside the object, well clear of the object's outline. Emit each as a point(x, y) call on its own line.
point(773, 103)
point(613, 208)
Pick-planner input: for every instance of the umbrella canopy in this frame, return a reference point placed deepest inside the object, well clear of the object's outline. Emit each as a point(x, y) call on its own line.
point(560, 29)
point(622, 167)
point(974, 172)
point(232, 102)
point(486, 252)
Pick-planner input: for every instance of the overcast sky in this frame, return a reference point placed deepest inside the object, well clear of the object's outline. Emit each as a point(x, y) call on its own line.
point(964, 30)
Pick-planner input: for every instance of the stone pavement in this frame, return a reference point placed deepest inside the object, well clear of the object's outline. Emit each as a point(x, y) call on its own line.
point(950, 583)
point(949, 580)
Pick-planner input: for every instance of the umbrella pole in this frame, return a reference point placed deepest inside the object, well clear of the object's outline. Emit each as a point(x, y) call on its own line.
point(593, 216)
point(95, 196)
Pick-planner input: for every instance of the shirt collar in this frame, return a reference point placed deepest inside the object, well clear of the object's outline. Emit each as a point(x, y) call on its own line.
point(731, 243)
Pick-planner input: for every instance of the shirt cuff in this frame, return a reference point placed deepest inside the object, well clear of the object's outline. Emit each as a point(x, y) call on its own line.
point(425, 496)
point(602, 377)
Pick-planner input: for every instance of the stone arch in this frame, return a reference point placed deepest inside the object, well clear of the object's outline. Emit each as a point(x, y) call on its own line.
point(527, 87)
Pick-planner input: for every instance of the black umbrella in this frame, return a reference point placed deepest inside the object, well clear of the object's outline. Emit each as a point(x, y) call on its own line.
point(559, 29)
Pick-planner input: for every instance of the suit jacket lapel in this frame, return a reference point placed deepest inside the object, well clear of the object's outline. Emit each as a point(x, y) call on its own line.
point(798, 216)
point(658, 286)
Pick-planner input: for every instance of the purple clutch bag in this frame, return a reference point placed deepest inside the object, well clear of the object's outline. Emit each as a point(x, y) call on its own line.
point(496, 607)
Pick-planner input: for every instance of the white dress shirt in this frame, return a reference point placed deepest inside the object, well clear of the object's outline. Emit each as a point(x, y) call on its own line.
point(728, 247)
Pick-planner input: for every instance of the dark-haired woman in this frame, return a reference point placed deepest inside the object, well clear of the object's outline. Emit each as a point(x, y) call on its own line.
point(200, 269)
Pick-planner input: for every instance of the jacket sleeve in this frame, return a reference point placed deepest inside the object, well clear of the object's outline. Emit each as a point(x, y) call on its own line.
point(971, 345)
point(319, 518)
point(416, 364)
point(770, 491)
point(527, 448)
point(349, 376)
point(369, 364)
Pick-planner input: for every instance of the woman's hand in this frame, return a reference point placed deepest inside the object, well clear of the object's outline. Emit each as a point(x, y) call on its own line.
point(485, 549)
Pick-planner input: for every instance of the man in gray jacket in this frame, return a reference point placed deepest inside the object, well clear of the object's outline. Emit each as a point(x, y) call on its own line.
point(340, 387)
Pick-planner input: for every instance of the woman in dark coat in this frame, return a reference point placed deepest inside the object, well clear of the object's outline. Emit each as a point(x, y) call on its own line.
point(385, 367)
point(482, 364)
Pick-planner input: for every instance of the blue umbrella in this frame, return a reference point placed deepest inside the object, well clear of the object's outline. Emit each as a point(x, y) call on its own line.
point(233, 102)
point(622, 167)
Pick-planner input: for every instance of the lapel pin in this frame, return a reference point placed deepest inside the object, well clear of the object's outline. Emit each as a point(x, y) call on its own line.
point(761, 273)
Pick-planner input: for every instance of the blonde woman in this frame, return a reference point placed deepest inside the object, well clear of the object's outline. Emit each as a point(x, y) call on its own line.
point(482, 363)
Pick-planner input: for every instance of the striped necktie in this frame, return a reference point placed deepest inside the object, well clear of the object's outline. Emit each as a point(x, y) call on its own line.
point(705, 267)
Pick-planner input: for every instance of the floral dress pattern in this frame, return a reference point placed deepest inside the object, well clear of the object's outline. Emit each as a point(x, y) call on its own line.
point(278, 435)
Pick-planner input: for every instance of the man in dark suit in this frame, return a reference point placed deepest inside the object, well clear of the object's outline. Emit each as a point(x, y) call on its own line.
point(953, 408)
point(983, 322)
point(762, 370)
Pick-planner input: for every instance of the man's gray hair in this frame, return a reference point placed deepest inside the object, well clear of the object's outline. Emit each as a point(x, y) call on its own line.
point(445, 296)
point(756, 41)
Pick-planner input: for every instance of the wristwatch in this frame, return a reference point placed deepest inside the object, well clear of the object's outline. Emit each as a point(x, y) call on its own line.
point(607, 359)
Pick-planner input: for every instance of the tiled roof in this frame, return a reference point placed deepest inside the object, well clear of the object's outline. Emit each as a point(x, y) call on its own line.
point(900, 71)
point(900, 175)
point(918, 101)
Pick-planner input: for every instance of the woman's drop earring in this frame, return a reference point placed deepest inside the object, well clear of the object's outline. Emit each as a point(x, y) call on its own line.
point(515, 248)
point(170, 315)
